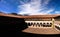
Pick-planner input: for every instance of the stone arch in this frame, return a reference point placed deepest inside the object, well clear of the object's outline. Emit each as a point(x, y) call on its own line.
point(37, 24)
point(33, 23)
point(47, 23)
point(29, 24)
point(44, 24)
point(40, 23)
point(50, 23)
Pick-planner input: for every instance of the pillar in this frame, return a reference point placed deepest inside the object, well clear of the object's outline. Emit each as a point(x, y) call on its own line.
point(53, 22)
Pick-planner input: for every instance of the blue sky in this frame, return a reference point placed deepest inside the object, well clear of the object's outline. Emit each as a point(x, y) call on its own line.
point(23, 6)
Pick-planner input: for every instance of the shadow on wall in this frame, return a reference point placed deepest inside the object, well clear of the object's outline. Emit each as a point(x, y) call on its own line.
point(11, 25)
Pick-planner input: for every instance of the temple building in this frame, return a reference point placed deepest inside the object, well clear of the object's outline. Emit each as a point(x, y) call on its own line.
point(38, 21)
point(37, 24)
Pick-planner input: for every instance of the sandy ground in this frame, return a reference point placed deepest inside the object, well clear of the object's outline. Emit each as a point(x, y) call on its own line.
point(42, 30)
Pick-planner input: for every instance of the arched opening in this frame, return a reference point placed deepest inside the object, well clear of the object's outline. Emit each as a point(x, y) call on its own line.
point(50, 24)
point(44, 25)
point(29, 24)
point(47, 25)
point(34, 24)
point(41, 24)
point(37, 24)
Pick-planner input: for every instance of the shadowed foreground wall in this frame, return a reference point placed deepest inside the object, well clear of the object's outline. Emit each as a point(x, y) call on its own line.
point(10, 26)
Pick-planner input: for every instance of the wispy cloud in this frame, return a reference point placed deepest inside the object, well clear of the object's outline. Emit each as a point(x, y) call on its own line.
point(35, 7)
point(57, 12)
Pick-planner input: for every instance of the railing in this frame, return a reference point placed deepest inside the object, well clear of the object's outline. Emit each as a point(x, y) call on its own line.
point(57, 26)
point(37, 24)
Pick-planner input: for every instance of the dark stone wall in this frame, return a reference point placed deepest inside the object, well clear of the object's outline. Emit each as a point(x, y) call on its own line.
point(11, 25)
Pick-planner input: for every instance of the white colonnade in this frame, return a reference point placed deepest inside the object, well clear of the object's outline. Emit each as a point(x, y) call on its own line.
point(38, 24)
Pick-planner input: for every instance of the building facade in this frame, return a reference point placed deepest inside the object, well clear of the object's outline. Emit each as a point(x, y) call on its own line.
point(38, 21)
point(42, 21)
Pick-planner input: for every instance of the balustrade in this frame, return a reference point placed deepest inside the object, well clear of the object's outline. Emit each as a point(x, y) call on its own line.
point(39, 24)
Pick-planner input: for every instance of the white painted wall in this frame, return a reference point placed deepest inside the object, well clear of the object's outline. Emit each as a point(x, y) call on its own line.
point(36, 23)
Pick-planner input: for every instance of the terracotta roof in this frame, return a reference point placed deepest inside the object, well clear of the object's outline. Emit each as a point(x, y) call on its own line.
point(31, 16)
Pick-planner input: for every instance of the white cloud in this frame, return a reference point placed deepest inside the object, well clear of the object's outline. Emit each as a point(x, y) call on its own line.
point(46, 1)
point(57, 12)
point(35, 7)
